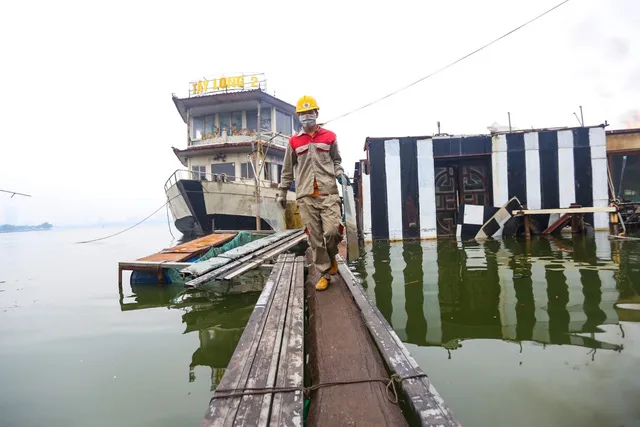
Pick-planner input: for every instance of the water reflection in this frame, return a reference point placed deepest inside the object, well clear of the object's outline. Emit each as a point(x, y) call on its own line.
point(547, 290)
point(217, 315)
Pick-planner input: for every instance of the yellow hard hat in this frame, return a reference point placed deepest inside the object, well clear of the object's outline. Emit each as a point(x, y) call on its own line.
point(306, 103)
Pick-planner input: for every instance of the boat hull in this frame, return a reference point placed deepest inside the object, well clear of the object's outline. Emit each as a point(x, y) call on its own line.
point(200, 207)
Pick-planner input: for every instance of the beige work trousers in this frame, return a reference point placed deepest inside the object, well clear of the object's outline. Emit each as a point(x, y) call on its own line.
point(321, 216)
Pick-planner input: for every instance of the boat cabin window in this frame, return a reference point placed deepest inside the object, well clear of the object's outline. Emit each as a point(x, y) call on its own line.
point(265, 119)
point(231, 122)
point(246, 171)
point(203, 126)
point(252, 120)
point(228, 169)
point(199, 172)
point(283, 122)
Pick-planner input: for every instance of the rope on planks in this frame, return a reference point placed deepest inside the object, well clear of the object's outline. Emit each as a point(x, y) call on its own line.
point(392, 392)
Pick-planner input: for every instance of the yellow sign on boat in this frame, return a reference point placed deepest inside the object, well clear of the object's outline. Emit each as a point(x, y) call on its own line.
point(226, 84)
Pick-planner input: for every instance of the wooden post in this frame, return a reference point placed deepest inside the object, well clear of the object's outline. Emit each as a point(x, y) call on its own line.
point(527, 227)
point(581, 226)
point(575, 225)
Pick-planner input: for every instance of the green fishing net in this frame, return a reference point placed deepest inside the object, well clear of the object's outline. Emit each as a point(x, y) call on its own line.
point(241, 239)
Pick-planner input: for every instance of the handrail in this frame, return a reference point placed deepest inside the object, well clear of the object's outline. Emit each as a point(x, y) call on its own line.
point(221, 138)
point(180, 174)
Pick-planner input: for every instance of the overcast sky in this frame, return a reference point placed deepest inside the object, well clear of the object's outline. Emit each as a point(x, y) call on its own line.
point(87, 122)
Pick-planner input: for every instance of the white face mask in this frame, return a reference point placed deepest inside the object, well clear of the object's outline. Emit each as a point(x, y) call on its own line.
point(308, 120)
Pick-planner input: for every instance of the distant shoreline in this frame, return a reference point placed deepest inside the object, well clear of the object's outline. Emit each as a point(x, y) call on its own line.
point(8, 228)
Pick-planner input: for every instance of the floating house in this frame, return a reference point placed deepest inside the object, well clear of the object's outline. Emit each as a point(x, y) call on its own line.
point(416, 187)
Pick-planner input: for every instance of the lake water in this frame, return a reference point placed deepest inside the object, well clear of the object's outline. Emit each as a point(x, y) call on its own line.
point(511, 333)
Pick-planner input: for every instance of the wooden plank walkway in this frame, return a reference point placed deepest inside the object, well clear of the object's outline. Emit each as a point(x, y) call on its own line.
point(425, 406)
point(352, 355)
point(341, 349)
point(269, 354)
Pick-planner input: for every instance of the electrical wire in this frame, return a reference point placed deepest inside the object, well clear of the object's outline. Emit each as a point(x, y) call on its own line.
point(134, 225)
point(449, 65)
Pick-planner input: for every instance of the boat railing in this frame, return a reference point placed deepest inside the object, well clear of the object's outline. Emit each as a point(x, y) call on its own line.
point(184, 174)
point(276, 138)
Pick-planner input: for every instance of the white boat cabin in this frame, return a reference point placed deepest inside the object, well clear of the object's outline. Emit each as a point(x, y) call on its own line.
point(222, 131)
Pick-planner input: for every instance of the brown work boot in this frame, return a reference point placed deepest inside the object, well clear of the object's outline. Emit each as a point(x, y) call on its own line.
point(322, 283)
point(334, 267)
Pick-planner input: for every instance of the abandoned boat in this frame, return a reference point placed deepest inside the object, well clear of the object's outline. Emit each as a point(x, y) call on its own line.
point(236, 139)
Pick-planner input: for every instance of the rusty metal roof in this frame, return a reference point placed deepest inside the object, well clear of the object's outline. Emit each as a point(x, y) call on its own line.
point(189, 249)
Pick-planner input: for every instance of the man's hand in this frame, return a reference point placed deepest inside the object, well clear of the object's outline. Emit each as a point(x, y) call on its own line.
point(281, 200)
point(343, 176)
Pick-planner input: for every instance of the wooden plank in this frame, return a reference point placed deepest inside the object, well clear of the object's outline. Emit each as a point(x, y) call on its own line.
point(166, 256)
point(132, 265)
point(427, 406)
point(288, 408)
point(237, 372)
point(254, 409)
point(214, 274)
point(266, 257)
point(240, 253)
point(341, 349)
point(230, 266)
point(563, 210)
point(612, 236)
point(561, 222)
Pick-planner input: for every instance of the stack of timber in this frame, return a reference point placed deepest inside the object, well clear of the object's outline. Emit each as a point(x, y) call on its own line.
point(236, 261)
point(270, 354)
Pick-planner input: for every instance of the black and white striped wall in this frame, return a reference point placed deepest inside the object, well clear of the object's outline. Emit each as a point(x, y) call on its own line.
point(552, 169)
point(398, 196)
point(542, 168)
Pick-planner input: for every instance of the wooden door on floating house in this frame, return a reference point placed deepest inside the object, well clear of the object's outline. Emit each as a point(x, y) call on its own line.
point(460, 181)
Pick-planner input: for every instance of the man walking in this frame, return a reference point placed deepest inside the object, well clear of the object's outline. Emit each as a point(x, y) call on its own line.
point(313, 154)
